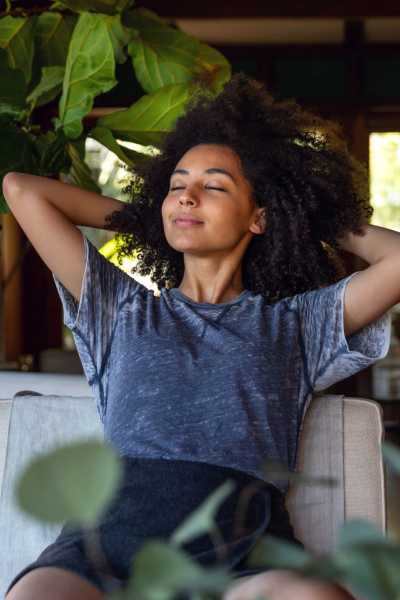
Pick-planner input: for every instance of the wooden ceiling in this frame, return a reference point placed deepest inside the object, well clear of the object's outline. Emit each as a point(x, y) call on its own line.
point(261, 8)
point(210, 9)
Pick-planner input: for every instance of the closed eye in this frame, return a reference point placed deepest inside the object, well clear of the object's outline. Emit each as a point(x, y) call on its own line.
point(207, 188)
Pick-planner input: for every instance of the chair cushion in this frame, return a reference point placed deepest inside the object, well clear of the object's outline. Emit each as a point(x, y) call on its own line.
point(44, 383)
point(37, 424)
point(341, 438)
point(364, 468)
point(317, 510)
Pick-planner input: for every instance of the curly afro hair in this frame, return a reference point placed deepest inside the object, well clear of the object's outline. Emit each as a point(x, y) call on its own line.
point(300, 170)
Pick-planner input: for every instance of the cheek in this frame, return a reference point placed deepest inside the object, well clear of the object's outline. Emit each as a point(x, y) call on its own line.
point(165, 207)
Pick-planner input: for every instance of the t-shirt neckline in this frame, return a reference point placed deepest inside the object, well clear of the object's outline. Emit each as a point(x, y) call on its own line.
point(177, 293)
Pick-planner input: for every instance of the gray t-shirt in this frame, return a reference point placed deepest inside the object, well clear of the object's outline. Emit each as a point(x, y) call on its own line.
point(227, 384)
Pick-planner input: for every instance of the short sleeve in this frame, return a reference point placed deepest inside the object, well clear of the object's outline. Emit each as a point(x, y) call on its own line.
point(329, 355)
point(92, 320)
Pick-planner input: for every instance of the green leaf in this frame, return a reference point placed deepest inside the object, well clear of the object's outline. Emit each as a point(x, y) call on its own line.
point(12, 95)
point(149, 119)
point(202, 520)
point(16, 37)
point(367, 557)
point(162, 55)
point(89, 71)
point(272, 551)
point(356, 531)
point(161, 572)
point(51, 154)
point(275, 553)
point(128, 156)
point(372, 570)
point(212, 68)
point(391, 455)
point(119, 36)
point(48, 88)
point(75, 482)
point(80, 171)
point(275, 471)
point(101, 6)
point(16, 154)
point(53, 34)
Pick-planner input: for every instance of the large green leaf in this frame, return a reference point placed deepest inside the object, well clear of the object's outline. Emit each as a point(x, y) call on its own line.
point(371, 569)
point(101, 6)
point(369, 559)
point(128, 156)
point(148, 120)
point(356, 531)
point(212, 68)
point(53, 34)
point(162, 55)
point(80, 171)
point(16, 154)
point(16, 37)
point(48, 88)
point(74, 482)
point(90, 70)
point(119, 36)
point(12, 95)
point(51, 154)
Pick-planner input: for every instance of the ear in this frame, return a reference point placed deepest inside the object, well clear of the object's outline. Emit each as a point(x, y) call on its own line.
point(260, 222)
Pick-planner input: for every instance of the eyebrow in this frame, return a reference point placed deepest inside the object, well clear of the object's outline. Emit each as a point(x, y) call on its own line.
point(211, 170)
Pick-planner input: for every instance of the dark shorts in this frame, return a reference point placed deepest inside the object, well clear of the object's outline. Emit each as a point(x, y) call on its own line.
point(154, 498)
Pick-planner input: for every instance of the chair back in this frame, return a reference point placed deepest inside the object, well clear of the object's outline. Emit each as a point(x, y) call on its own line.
point(341, 438)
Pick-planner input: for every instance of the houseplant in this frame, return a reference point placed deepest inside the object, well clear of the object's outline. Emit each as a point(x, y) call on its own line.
point(364, 559)
point(52, 84)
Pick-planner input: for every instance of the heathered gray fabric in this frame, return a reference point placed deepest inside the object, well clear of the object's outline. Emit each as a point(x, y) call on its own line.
point(227, 384)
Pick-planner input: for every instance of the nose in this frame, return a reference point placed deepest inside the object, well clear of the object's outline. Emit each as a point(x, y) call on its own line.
point(185, 199)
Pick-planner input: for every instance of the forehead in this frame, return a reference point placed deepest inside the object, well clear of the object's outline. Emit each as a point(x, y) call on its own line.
point(211, 153)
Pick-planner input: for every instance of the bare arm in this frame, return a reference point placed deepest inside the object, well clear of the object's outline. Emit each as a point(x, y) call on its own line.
point(48, 212)
point(81, 207)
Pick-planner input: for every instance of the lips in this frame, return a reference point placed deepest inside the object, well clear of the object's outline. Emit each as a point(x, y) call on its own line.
point(186, 220)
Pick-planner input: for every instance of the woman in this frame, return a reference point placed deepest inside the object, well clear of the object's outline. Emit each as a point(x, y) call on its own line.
point(237, 221)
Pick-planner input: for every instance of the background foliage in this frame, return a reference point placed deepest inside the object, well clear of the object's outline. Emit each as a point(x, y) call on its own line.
point(58, 61)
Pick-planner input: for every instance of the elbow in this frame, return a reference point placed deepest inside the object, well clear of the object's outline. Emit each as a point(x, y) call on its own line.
point(9, 184)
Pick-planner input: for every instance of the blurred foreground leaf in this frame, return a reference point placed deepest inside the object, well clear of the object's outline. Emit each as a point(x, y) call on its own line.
point(75, 482)
point(160, 572)
point(202, 520)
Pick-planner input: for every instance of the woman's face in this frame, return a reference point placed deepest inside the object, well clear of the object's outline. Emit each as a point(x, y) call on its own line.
point(222, 201)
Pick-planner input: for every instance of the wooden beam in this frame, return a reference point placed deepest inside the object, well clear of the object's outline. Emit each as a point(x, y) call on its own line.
point(259, 8)
point(12, 342)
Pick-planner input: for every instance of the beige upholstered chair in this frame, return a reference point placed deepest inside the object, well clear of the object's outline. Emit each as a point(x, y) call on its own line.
point(341, 438)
